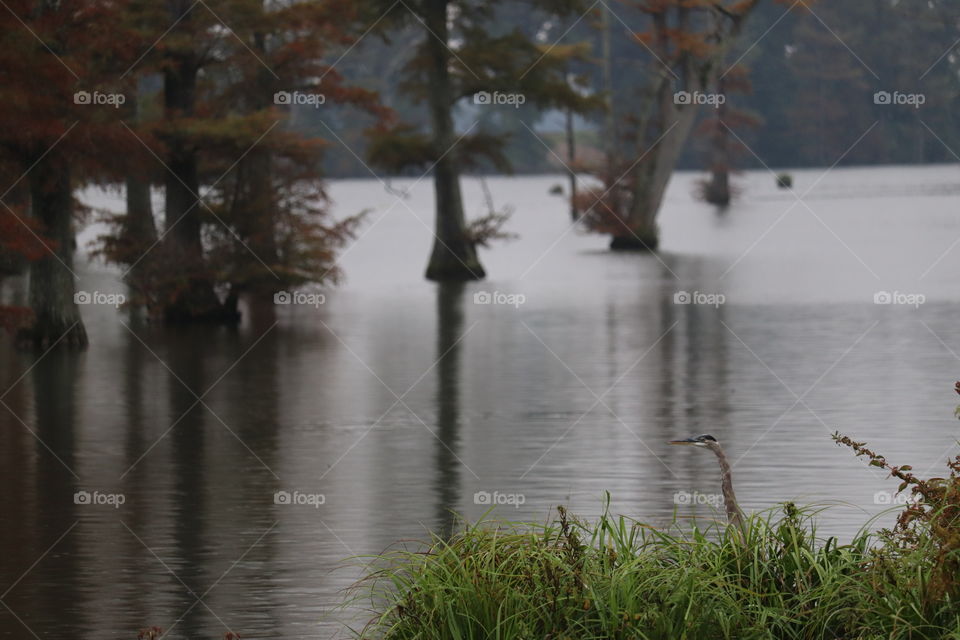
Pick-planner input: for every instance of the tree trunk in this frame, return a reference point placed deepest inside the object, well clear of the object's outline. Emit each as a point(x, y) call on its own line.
point(260, 214)
point(138, 235)
point(253, 212)
point(195, 299)
point(571, 159)
point(718, 189)
point(674, 122)
point(454, 255)
point(651, 176)
point(12, 262)
point(56, 316)
point(138, 224)
point(261, 220)
point(139, 228)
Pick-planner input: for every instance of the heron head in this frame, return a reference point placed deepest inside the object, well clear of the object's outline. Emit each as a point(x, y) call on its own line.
point(697, 441)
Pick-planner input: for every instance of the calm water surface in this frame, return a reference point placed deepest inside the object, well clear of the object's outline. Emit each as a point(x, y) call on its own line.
point(398, 400)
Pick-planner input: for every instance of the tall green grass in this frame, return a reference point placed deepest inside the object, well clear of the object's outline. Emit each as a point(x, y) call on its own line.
point(619, 579)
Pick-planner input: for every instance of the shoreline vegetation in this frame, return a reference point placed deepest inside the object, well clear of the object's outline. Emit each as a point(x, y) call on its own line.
point(618, 578)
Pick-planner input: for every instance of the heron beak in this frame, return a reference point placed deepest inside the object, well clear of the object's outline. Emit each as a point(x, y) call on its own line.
point(686, 441)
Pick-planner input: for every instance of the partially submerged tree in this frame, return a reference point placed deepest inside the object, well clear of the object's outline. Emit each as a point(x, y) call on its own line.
point(722, 141)
point(57, 59)
point(187, 50)
point(717, 189)
point(462, 53)
point(685, 45)
point(135, 229)
point(245, 208)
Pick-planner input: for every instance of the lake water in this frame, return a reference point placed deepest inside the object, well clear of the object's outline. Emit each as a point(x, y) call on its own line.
point(398, 402)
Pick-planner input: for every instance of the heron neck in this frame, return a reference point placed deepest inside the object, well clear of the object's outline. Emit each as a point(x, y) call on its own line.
point(734, 513)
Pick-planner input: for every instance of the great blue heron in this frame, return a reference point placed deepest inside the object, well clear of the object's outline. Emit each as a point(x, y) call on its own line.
point(734, 513)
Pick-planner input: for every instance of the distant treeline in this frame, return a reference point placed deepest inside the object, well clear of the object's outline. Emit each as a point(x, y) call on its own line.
point(814, 75)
